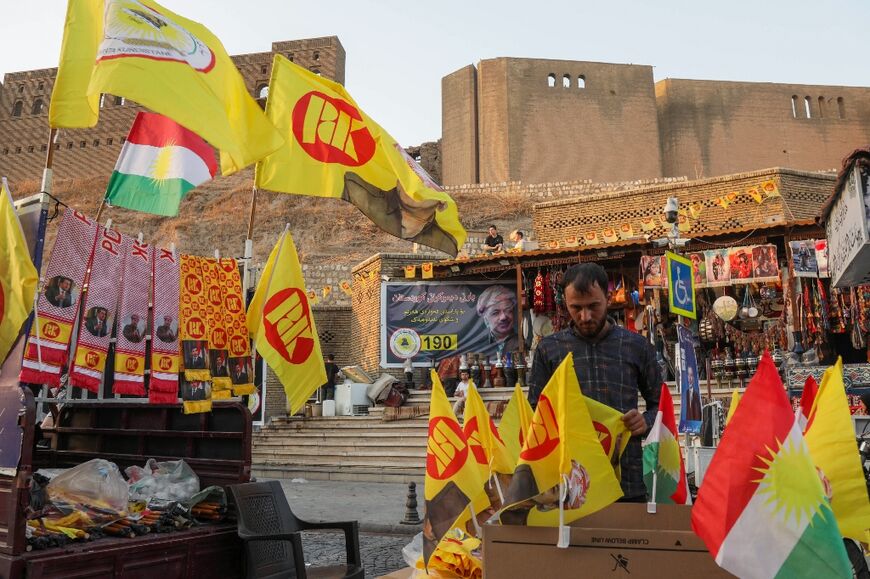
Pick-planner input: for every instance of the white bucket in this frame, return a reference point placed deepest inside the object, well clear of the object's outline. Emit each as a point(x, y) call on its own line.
point(329, 407)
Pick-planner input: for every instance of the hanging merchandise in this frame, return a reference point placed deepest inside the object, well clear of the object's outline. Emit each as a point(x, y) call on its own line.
point(718, 267)
point(221, 385)
point(236, 324)
point(538, 299)
point(101, 303)
point(132, 320)
point(57, 305)
point(165, 343)
point(195, 388)
point(725, 307)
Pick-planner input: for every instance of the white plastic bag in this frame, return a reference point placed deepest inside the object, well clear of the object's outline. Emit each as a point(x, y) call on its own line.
point(169, 481)
point(97, 483)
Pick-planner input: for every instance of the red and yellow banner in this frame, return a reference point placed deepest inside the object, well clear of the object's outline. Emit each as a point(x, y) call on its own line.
point(132, 318)
point(235, 322)
point(165, 358)
point(194, 331)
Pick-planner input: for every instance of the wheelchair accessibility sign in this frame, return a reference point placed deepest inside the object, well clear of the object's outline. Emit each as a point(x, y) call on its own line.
point(681, 286)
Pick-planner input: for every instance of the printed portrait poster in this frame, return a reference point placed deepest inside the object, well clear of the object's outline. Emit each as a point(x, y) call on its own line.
point(822, 257)
point(803, 258)
point(699, 269)
point(689, 382)
point(740, 260)
point(652, 271)
point(422, 321)
point(765, 265)
point(718, 267)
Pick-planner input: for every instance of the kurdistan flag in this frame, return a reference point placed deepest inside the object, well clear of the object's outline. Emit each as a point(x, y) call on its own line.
point(663, 470)
point(160, 162)
point(762, 511)
point(808, 398)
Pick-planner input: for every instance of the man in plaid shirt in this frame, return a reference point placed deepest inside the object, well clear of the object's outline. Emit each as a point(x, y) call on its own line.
point(612, 365)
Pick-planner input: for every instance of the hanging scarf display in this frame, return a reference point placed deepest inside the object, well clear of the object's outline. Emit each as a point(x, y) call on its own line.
point(538, 299)
point(236, 325)
point(57, 305)
point(132, 320)
point(213, 274)
point(549, 285)
point(165, 358)
point(101, 304)
point(193, 327)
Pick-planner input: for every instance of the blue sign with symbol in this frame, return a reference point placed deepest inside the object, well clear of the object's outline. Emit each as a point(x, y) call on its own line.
point(681, 286)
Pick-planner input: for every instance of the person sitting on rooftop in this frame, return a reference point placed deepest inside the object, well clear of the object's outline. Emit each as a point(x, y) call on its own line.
point(494, 243)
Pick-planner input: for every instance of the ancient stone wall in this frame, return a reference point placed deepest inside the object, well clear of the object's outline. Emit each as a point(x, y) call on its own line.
point(25, 96)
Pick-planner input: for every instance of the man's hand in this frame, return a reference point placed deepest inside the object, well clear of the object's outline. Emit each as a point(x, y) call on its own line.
point(635, 422)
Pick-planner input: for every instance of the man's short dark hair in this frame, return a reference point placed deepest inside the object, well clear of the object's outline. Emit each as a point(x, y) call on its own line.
point(493, 227)
point(330, 357)
point(583, 276)
point(520, 234)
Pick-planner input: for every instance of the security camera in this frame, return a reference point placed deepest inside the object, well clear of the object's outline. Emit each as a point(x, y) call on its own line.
point(671, 210)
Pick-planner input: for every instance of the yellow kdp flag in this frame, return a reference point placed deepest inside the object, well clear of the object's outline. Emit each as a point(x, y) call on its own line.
point(453, 480)
point(484, 439)
point(139, 50)
point(282, 324)
point(515, 423)
point(610, 429)
point(563, 473)
point(333, 149)
point(18, 277)
point(831, 440)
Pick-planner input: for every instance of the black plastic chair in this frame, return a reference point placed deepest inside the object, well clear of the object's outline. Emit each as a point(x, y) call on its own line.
point(273, 543)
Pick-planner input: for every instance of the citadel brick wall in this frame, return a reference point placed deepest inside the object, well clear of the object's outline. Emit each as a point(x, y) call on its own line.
point(711, 128)
point(551, 120)
point(88, 152)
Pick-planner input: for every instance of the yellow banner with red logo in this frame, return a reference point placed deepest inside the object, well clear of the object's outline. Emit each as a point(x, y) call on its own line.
point(282, 324)
point(610, 429)
point(453, 477)
point(235, 322)
point(333, 149)
point(194, 332)
point(515, 423)
point(483, 438)
point(563, 470)
point(218, 339)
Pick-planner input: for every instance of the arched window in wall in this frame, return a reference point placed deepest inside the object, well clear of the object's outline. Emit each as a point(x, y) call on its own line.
point(808, 106)
point(119, 101)
point(841, 107)
point(794, 106)
point(581, 81)
point(566, 81)
point(821, 107)
point(17, 108)
point(37, 107)
point(551, 80)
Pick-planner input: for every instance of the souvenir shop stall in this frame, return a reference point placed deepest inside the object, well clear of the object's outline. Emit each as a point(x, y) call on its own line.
point(133, 411)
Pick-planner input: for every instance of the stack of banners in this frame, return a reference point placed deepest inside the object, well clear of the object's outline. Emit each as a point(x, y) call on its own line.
point(663, 470)
point(235, 321)
point(563, 473)
point(57, 306)
point(762, 510)
point(515, 423)
point(132, 320)
point(453, 479)
point(212, 276)
point(101, 302)
point(831, 440)
point(165, 359)
point(193, 328)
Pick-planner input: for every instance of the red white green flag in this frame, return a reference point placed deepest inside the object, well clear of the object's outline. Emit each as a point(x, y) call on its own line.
point(663, 470)
point(160, 162)
point(762, 510)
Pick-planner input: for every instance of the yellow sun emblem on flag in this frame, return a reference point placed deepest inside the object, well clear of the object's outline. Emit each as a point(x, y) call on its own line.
point(669, 454)
point(790, 484)
point(161, 166)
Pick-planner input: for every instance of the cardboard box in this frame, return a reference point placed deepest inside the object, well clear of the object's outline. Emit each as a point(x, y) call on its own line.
point(622, 539)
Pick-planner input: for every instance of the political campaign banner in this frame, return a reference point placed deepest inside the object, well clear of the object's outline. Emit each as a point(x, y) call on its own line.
point(436, 320)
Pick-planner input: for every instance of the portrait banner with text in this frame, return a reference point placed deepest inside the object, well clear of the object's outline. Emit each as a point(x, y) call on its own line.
point(437, 320)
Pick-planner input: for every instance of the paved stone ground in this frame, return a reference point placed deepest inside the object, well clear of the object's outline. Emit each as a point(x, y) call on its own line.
point(381, 554)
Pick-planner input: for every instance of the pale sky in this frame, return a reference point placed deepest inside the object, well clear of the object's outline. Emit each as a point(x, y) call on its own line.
point(397, 51)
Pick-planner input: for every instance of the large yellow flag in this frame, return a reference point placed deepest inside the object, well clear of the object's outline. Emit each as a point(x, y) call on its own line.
point(18, 277)
point(563, 470)
point(486, 444)
point(282, 324)
point(333, 149)
point(831, 440)
point(453, 479)
point(174, 66)
point(515, 423)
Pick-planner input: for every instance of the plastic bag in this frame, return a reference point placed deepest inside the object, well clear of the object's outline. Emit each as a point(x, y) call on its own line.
point(97, 484)
point(173, 480)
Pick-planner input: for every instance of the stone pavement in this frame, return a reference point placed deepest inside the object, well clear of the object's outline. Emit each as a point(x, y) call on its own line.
point(377, 506)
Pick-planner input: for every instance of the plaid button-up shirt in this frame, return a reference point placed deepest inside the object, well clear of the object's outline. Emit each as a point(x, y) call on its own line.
point(611, 370)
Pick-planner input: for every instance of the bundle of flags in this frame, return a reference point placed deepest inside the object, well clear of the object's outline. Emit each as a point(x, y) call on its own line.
point(663, 470)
